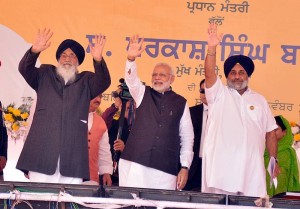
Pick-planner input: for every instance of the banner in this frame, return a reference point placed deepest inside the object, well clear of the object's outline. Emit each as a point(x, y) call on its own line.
point(175, 32)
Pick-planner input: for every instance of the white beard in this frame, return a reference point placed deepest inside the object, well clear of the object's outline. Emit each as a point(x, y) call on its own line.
point(67, 73)
point(236, 86)
point(165, 86)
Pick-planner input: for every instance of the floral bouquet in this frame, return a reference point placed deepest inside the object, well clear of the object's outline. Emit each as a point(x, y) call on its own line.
point(15, 118)
point(296, 132)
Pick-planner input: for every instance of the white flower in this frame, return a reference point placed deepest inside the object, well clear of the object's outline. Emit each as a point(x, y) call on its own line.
point(295, 130)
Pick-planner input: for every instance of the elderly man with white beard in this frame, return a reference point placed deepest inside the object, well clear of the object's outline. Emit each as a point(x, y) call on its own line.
point(162, 134)
point(56, 148)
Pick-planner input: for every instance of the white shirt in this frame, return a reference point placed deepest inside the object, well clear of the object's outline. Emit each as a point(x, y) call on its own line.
point(235, 141)
point(105, 159)
point(204, 121)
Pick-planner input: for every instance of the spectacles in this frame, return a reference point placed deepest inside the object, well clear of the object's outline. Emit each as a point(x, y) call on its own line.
point(65, 56)
point(202, 91)
point(161, 75)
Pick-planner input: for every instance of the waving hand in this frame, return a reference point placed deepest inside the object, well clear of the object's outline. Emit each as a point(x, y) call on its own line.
point(42, 40)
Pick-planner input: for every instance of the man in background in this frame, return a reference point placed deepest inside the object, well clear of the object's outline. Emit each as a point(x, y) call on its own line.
point(100, 162)
point(199, 115)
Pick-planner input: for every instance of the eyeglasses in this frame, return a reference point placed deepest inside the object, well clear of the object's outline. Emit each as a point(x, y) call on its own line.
point(202, 91)
point(65, 56)
point(161, 75)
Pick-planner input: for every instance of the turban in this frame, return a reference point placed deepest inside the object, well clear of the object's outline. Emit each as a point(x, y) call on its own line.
point(244, 61)
point(74, 46)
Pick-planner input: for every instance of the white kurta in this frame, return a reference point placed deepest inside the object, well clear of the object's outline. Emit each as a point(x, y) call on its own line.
point(235, 141)
point(135, 175)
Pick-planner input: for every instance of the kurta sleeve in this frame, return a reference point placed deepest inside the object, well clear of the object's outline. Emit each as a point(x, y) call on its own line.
point(136, 88)
point(186, 133)
point(101, 79)
point(28, 70)
point(105, 159)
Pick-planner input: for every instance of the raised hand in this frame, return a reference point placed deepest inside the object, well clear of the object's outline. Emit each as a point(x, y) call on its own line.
point(42, 40)
point(214, 38)
point(135, 48)
point(97, 47)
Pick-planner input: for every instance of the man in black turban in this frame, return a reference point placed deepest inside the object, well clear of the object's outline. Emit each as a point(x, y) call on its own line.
point(74, 46)
point(240, 126)
point(242, 60)
point(56, 147)
point(237, 70)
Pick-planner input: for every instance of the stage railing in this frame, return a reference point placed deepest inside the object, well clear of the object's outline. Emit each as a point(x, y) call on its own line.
point(42, 195)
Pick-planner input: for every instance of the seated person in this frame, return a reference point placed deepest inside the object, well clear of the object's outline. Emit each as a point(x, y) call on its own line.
point(288, 178)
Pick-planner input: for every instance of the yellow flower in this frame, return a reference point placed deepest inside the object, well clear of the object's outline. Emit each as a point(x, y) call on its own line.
point(24, 115)
point(16, 112)
point(8, 117)
point(15, 126)
point(293, 124)
point(117, 115)
point(25, 123)
point(297, 137)
point(10, 109)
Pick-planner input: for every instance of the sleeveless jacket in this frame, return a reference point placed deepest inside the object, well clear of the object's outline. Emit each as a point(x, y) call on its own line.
point(154, 140)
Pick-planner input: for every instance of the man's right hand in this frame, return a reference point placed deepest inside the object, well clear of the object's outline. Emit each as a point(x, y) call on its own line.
point(135, 48)
point(119, 145)
point(42, 40)
point(214, 38)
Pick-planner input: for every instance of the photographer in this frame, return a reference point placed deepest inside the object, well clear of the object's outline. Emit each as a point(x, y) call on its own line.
point(112, 116)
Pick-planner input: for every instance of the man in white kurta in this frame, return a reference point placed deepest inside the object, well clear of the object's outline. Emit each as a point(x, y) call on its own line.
point(132, 174)
point(239, 126)
point(235, 140)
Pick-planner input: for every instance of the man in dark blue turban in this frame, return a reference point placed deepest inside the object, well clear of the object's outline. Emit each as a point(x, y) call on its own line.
point(240, 126)
point(56, 147)
point(242, 60)
point(74, 46)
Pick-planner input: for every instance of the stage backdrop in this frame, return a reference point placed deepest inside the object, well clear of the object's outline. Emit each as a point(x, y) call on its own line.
point(175, 31)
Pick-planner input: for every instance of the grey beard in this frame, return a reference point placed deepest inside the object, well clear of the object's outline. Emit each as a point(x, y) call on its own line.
point(238, 88)
point(68, 74)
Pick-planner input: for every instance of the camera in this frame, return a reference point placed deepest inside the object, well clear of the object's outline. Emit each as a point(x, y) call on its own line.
point(124, 93)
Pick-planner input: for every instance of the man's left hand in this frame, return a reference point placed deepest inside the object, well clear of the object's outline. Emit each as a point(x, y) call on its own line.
point(182, 178)
point(107, 179)
point(97, 48)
